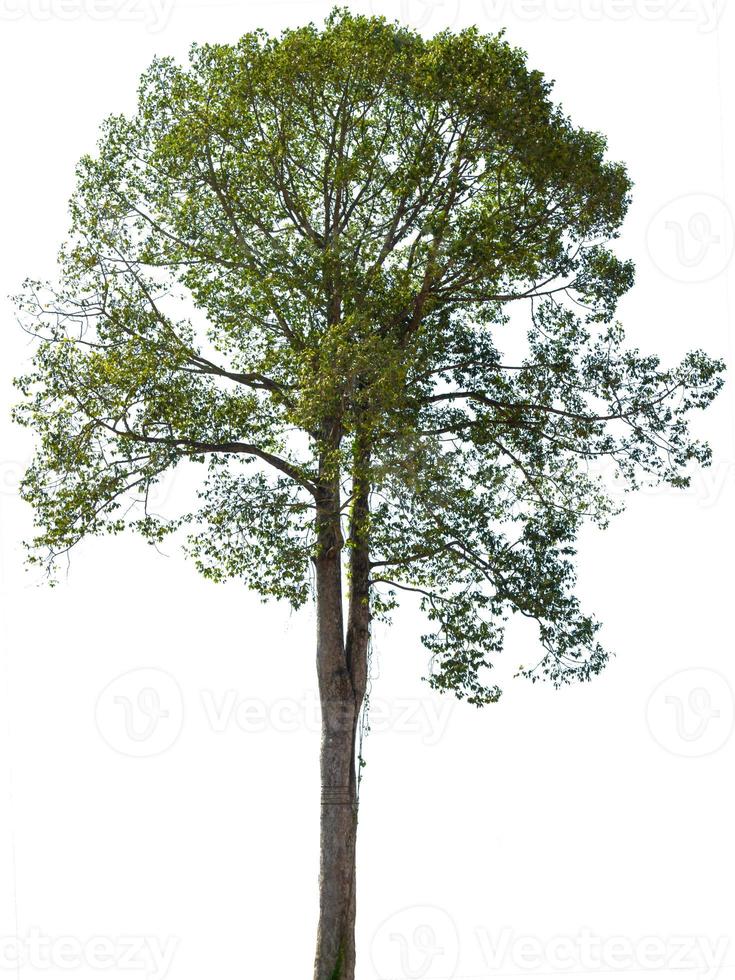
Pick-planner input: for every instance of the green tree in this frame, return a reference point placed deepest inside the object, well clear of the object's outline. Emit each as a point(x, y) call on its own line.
point(294, 266)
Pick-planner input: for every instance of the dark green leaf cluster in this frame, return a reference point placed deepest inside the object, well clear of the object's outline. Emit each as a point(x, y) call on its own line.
point(299, 265)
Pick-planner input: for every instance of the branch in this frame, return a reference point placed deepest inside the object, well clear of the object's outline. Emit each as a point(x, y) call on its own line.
point(195, 446)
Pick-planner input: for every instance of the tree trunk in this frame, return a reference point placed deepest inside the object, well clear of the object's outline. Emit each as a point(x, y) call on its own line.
point(342, 673)
point(335, 954)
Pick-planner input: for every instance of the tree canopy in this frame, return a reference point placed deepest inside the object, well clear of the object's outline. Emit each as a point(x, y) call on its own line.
point(298, 265)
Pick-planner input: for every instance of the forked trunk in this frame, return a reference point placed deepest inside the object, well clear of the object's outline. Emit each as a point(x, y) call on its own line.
point(335, 955)
point(342, 672)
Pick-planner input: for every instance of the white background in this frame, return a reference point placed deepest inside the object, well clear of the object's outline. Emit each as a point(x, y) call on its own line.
point(604, 811)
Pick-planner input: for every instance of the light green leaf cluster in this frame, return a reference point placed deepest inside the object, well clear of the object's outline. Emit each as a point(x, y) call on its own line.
point(293, 265)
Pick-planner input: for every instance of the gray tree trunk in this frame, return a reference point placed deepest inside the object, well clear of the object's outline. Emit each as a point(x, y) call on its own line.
point(342, 674)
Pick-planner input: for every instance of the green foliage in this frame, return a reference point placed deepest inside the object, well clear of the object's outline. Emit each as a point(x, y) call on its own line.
point(294, 266)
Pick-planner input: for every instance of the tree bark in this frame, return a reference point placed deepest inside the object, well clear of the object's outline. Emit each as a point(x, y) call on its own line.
point(342, 674)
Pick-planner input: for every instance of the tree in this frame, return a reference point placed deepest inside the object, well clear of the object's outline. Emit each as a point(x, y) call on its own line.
point(294, 267)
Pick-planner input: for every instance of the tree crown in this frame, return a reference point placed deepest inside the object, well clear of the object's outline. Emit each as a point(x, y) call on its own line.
point(294, 265)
